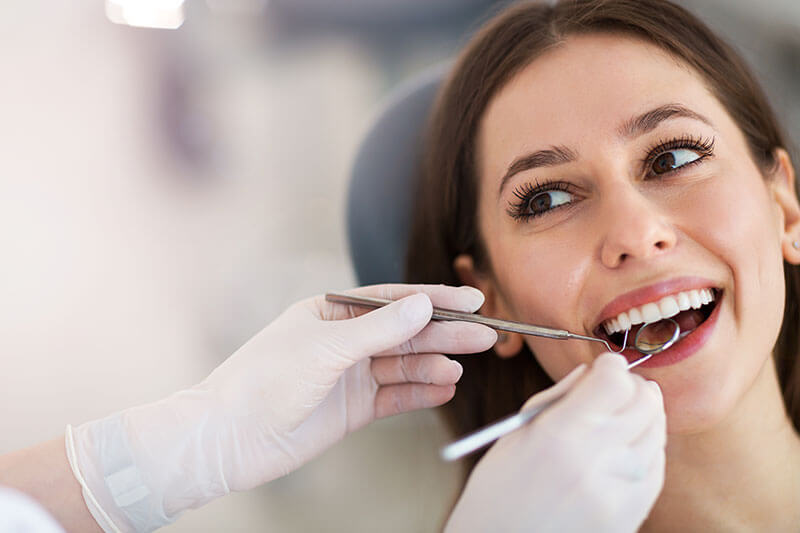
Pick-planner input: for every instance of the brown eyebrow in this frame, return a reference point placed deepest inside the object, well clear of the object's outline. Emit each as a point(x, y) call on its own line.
point(639, 125)
point(556, 155)
point(649, 120)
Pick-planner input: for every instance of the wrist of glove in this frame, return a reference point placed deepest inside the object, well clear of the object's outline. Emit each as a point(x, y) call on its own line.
point(140, 468)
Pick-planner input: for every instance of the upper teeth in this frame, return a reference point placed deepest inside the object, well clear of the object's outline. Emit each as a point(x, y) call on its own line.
point(666, 307)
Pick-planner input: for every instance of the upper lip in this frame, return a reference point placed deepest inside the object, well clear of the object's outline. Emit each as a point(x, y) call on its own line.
point(650, 293)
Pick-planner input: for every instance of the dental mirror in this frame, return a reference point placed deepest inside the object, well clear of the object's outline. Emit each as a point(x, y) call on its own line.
point(655, 337)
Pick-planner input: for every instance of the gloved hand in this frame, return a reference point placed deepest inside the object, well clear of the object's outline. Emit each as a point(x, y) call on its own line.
point(593, 461)
point(316, 373)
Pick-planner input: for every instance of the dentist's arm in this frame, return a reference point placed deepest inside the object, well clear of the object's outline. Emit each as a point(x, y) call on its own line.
point(319, 371)
point(44, 474)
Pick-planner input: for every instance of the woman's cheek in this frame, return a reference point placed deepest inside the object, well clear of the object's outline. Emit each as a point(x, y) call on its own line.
point(557, 358)
point(537, 285)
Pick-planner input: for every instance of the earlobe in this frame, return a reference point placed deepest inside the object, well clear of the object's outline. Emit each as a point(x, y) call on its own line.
point(508, 344)
point(783, 188)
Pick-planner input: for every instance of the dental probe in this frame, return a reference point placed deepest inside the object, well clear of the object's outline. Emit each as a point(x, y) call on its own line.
point(494, 323)
point(488, 434)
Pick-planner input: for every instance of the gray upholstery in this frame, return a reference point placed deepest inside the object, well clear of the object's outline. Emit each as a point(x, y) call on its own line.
point(381, 185)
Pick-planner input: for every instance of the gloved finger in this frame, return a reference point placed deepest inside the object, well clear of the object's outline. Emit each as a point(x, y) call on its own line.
point(642, 468)
point(634, 460)
point(606, 387)
point(395, 399)
point(638, 495)
point(374, 332)
point(626, 464)
point(650, 487)
point(655, 434)
point(626, 498)
point(635, 419)
point(447, 337)
point(556, 390)
point(435, 369)
point(465, 299)
point(545, 419)
point(651, 442)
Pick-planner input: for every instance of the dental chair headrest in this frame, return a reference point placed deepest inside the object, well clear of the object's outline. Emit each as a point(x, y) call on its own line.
point(382, 183)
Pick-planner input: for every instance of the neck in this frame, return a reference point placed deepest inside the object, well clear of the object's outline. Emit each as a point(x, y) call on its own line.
point(742, 475)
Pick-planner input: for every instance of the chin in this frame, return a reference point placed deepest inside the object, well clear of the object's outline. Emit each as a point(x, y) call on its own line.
point(694, 421)
point(700, 407)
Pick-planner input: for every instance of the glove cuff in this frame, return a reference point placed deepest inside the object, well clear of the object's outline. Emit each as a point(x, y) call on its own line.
point(113, 489)
point(140, 468)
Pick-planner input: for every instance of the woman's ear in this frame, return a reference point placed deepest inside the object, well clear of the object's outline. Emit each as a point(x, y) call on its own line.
point(508, 344)
point(783, 189)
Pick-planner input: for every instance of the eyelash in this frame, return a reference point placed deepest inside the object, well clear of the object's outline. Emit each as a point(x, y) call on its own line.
point(704, 147)
point(527, 191)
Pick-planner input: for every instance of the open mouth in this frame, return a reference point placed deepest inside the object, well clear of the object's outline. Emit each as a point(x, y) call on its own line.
point(689, 309)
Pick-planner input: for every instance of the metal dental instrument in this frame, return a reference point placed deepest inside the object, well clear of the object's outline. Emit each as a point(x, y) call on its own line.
point(644, 345)
point(665, 332)
point(659, 336)
point(494, 323)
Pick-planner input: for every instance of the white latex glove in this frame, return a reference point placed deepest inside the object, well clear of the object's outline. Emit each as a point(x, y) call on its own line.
point(593, 461)
point(313, 375)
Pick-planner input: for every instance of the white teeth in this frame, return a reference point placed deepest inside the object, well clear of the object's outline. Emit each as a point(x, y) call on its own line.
point(683, 301)
point(666, 307)
point(651, 312)
point(706, 296)
point(694, 299)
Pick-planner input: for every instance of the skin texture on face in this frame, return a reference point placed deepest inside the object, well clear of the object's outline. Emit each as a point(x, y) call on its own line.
point(615, 225)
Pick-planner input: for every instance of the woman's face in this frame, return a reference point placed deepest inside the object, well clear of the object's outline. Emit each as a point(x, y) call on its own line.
point(611, 178)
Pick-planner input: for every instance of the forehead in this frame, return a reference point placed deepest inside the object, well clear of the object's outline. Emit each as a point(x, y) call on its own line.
point(582, 88)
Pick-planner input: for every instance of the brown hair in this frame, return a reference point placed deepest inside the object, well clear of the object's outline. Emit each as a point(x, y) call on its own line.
point(445, 220)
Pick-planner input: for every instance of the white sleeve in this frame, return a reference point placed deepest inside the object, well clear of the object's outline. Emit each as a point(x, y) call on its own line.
point(21, 514)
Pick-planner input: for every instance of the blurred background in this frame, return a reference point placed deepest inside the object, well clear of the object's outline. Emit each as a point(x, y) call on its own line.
point(166, 191)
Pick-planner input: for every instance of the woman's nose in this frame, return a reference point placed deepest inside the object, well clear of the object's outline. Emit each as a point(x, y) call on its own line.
point(634, 228)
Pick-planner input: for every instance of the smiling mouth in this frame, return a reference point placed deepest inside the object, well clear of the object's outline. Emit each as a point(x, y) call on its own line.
point(689, 309)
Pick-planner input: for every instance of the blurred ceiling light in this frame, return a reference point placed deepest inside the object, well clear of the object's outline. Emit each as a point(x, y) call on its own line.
point(163, 14)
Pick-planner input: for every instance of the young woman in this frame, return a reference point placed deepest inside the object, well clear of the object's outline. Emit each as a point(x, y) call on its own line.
point(594, 164)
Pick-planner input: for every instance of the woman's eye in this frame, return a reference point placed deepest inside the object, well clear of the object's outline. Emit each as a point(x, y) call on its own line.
point(548, 200)
point(673, 159)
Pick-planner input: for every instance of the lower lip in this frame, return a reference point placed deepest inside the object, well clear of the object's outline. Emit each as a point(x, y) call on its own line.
point(684, 348)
